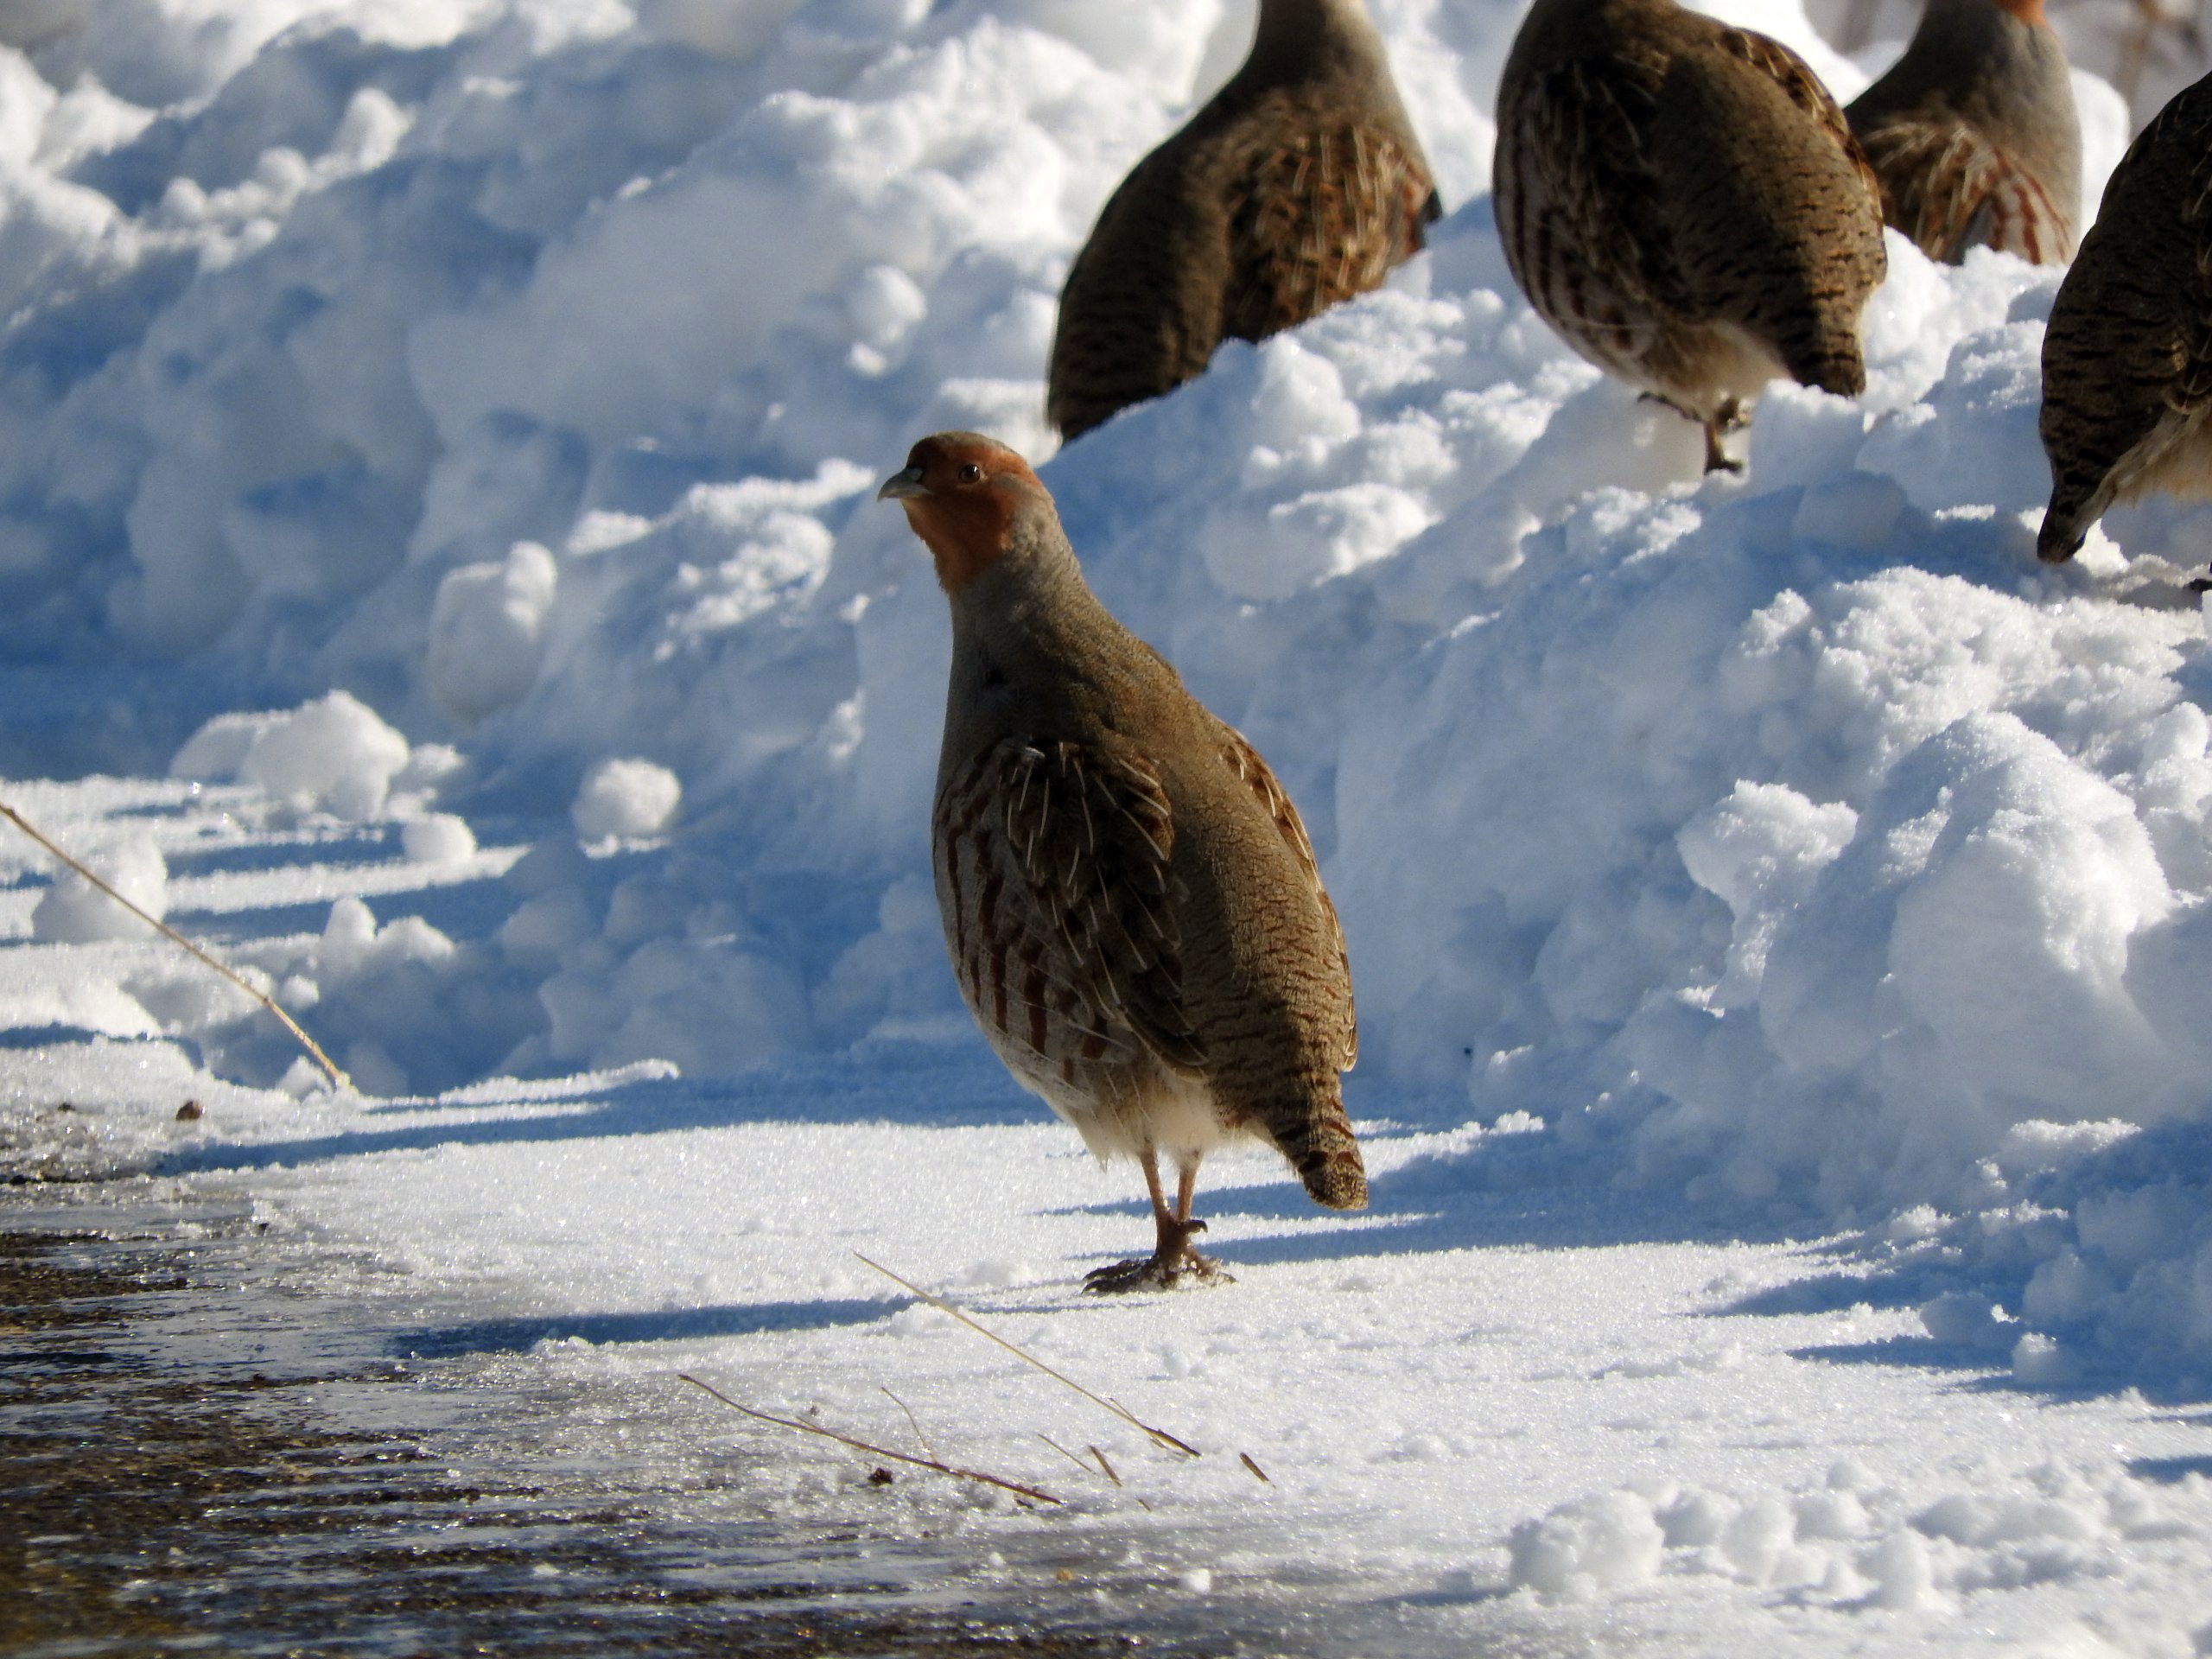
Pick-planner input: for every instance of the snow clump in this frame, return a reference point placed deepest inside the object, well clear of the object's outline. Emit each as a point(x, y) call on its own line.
point(626, 797)
point(74, 910)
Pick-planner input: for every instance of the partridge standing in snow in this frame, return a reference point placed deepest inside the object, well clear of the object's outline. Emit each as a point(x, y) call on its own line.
point(1300, 184)
point(1973, 135)
point(1130, 903)
point(2127, 357)
point(1684, 202)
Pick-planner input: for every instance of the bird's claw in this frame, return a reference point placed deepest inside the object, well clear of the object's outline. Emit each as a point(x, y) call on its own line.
point(1150, 1272)
point(1164, 1268)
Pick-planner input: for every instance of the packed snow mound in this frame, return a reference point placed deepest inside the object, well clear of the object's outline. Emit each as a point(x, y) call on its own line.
point(487, 399)
point(1857, 1543)
point(75, 910)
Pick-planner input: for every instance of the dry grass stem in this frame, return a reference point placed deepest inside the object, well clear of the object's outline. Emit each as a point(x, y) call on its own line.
point(1063, 1452)
point(1013, 1486)
point(1258, 1473)
point(915, 1421)
point(338, 1078)
point(1160, 1436)
point(1106, 1466)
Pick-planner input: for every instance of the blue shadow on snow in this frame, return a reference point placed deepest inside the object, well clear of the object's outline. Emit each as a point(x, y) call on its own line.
point(514, 1336)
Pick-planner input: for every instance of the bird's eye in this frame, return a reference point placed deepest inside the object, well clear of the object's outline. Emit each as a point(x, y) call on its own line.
point(971, 474)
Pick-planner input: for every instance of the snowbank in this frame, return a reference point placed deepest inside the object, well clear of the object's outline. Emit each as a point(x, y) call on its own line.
point(485, 400)
point(1856, 1542)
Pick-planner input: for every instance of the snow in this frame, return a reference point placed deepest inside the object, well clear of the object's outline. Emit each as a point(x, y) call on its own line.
point(437, 449)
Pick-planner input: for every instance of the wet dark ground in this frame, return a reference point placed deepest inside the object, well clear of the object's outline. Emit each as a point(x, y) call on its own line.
point(193, 1461)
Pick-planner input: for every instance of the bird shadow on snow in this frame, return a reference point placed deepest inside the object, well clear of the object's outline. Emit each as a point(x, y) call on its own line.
point(1498, 1190)
point(520, 1335)
point(1518, 1191)
point(909, 1085)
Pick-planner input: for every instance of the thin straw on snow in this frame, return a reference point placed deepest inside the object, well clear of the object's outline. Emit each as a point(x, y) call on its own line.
point(1065, 1452)
point(1013, 1486)
point(338, 1078)
point(1159, 1436)
point(914, 1422)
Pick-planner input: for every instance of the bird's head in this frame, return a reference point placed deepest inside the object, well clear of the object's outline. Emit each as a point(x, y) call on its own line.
point(967, 498)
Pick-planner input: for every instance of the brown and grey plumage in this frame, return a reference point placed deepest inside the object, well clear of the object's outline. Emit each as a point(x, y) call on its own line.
point(2127, 357)
point(1131, 905)
point(1684, 203)
point(1974, 134)
point(1298, 185)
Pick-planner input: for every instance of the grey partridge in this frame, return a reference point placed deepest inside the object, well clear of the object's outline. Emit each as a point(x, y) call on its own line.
point(2127, 356)
point(1298, 185)
point(1974, 134)
point(1130, 903)
point(1684, 203)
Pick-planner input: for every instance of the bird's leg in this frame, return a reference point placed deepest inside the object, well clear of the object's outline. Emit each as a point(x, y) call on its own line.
point(1173, 1256)
point(1204, 1266)
point(1729, 417)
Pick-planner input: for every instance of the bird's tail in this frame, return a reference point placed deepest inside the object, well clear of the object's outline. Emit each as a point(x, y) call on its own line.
point(1320, 1147)
point(1832, 361)
point(2062, 535)
point(2080, 492)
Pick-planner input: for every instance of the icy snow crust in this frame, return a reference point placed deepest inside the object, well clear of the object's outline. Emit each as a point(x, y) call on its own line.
point(459, 422)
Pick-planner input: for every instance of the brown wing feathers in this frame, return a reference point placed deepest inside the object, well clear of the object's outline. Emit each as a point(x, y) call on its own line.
point(1093, 835)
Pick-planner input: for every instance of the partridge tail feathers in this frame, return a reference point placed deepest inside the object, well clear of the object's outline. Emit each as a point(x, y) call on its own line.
point(1320, 1147)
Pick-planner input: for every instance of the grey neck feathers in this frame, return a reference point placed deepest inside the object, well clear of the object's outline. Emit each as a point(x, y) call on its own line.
point(1298, 39)
point(2019, 92)
point(1033, 591)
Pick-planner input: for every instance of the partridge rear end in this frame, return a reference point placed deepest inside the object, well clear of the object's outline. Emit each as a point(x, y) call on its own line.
point(1684, 204)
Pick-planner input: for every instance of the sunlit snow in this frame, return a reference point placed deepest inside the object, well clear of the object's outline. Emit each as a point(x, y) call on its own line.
point(439, 569)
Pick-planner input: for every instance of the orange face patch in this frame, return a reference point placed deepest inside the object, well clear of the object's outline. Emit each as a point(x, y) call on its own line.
point(962, 494)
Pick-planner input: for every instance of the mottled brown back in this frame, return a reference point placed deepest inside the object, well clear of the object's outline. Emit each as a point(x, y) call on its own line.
point(1299, 186)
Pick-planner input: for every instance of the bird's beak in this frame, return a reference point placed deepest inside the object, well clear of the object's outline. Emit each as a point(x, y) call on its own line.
point(902, 487)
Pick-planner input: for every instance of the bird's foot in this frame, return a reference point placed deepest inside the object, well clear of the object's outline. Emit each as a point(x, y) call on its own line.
point(1151, 1272)
point(1166, 1268)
